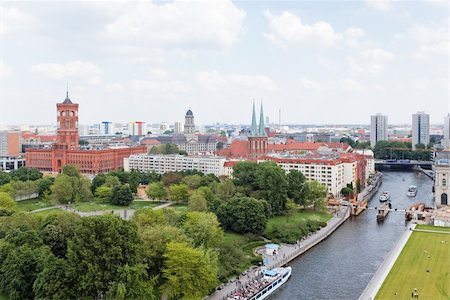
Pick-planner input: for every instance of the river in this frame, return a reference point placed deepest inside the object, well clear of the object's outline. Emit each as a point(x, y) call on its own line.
point(341, 266)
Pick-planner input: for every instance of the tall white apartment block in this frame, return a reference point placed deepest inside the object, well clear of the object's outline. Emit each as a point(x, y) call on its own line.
point(420, 129)
point(447, 127)
point(378, 129)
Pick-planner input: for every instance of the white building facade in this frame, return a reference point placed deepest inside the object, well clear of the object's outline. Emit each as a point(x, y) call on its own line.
point(174, 162)
point(420, 129)
point(378, 129)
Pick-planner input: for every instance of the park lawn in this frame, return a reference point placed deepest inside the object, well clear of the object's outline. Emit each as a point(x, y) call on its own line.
point(424, 250)
point(93, 206)
point(145, 204)
point(48, 212)
point(179, 206)
point(301, 215)
point(434, 228)
point(32, 204)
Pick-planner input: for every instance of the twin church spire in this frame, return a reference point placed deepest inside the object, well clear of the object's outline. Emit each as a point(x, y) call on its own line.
point(255, 130)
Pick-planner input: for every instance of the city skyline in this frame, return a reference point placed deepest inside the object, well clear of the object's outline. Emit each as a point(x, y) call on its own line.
point(136, 61)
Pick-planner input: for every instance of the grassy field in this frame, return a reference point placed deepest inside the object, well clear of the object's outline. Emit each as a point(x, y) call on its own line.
point(32, 204)
point(434, 228)
point(93, 206)
point(48, 212)
point(298, 217)
point(179, 206)
point(423, 251)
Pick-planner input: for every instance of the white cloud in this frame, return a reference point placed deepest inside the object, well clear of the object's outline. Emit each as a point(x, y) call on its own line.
point(432, 39)
point(159, 73)
point(214, 81)
point(351, 85)
point(309, 84)
point(371, 60)
point(383, 5)
point(159, 86)
point(194, 25)
point(12, 18)
point(81, 69)
point(4, 70)
point(288, 28)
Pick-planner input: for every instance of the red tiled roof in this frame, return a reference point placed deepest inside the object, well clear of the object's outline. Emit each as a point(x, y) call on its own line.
point(238, 148)
point(230, 164)
point(293, 145)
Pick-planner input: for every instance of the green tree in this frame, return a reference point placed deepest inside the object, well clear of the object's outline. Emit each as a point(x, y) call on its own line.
point(272, 185)
point(178, 192)
point(148, 217)
point(291, 208)
point(149, 177)
point(7, 204)
point(70, 189)
point(203, 228)
point(297, 187)
point(197, 202)
point(104, 194)
point(71, 171)
point(317, 194)
point(225, 189)
point(112, 181)
point(122, 195)
point(19, 270)
point(170, 178)
point(99, 247)
point(156, 191)
point(56, 280)
point(57, 230)
point(155, 239)
point(348, 141)
point(192, 181)
point(190, 273)
point(132, 283)
point(44, 184)
point(98, 180)
point(244, 175)
point(4, 178)
point(25, 174)
point(243, 215)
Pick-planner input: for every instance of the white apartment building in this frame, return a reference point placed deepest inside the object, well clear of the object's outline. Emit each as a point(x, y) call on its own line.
point(378, 129)
point(174, 162)
point(420, 129)
point(333, 173)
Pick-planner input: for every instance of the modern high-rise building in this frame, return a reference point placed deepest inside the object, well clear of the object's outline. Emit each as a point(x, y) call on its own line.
point(378, 129)
point(178, 127)
point(447, 127)
point(420, 129)
point(106, 128)
point(137, 128)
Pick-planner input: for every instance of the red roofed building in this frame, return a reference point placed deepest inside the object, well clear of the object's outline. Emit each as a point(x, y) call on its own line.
point(65, 150)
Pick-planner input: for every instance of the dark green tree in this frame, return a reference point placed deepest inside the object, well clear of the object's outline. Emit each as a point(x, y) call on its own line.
point(122, 195)
point(25, 174)
point(244, 175)
point(99, 247)
point(44, 184)
point(243, 215)
point(272, 184)
point(98, 180)
point(297, 187)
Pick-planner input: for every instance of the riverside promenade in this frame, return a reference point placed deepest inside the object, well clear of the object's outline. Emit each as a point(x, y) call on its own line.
point(286, 253)
point(380, 275)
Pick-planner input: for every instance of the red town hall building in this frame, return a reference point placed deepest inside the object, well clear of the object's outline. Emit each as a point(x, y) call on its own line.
point(66, 148)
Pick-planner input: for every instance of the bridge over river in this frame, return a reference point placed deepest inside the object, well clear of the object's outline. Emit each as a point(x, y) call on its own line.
point(404, 163)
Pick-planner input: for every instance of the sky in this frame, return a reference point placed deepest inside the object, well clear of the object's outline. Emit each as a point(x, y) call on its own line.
point(319, 62)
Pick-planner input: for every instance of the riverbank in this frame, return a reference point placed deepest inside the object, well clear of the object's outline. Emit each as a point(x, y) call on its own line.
point(380, 275)
point(286, 253)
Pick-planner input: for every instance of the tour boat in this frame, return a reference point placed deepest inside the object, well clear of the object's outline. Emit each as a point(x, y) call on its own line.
point(384, 196)
point(412, 191)
point(263, 287)
point(383, 210)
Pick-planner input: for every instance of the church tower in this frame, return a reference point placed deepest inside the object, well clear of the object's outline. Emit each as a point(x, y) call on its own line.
point(189, 126)
point(67, 119)
point(258, 140)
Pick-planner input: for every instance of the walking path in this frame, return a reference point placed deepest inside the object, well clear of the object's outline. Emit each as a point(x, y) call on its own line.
point(123, 213)
point(377, 280)
point(285, 254)
point(433, 231)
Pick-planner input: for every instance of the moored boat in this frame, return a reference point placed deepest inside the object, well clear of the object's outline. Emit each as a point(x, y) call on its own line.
point(412, 191)
point(383, 210)
point(384, 196)
point(263, 287)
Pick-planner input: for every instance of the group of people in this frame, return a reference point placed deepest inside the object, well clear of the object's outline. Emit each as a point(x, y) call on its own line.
point(249, 290)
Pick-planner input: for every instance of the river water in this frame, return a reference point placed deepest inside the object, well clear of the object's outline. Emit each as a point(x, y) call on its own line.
point(341, 266)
